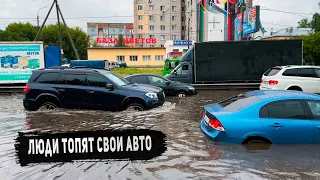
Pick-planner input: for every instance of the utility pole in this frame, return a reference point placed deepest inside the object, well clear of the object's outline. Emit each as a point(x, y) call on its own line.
point(188, 32)
point(243, 8)
point(55, 2)
point(38, 23)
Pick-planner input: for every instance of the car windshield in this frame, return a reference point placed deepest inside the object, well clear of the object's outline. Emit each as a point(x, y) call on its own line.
point(120, 81)
point(238, 102)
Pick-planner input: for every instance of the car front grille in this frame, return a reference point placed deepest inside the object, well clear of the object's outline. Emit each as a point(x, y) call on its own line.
point(161, 95)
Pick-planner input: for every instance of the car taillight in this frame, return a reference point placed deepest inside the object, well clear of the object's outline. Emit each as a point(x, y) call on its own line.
point(26, 89)
point(273, 82)
point(215, 124)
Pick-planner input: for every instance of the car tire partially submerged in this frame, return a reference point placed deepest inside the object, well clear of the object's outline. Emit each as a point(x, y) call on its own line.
point(135, 107)
point(181, 94)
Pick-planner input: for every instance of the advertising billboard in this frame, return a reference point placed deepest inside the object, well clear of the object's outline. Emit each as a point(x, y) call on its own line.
point(251, 21)
point(18, 59)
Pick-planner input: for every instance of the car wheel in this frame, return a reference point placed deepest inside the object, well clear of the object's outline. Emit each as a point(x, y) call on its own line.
point(181, 94)
point(135, 107)
point(48, 106)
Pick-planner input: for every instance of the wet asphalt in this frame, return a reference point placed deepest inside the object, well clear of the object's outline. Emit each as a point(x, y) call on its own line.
point(190, 154)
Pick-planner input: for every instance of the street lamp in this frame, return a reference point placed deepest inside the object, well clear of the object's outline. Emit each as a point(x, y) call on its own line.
point(38, 16)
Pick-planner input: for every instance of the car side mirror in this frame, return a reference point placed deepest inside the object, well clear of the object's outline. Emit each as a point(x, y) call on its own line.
point(168, 83)
point(175, 72)
point(110, 86)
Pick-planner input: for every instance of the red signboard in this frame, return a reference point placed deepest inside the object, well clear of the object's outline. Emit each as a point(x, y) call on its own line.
point(128, 40)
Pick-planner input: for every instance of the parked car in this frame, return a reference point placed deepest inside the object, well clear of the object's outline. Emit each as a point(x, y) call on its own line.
point(264, 116)
point(87, 88)
point(122, 64)
point(171, 88)
point(299, 78)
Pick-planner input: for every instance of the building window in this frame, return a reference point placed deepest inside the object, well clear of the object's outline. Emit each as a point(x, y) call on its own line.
point(120, 58)
point(163, 27)
point(182, 18)
point(151, 46)
point(182, 8)
point(140, 18)
point(182, 28)
point(140, 27)
point(140, 8)
point(161, 8)
point(133, 58)
point(182, 37)
point(151, 7)
point(151, 36)
point(175, 50)
point(163, 37)
point(174, 27)
point(174, 37)
point(151, 27)
point(140, 36)
point(174, 8)
point(159, 58)
point(151, 18)
point(162, 18)
point(146, 58)
point(93, 30)
point(173, 18)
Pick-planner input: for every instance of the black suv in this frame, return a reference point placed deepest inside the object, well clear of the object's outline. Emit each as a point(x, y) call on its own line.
point(85, 88)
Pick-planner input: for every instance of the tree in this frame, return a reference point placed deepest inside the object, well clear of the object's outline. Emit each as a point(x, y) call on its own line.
point(311, 48)
point(304, 23)
point(315, 22)
point(95, 44)
point(27, 32)
point(19, 32)
point(120, 42)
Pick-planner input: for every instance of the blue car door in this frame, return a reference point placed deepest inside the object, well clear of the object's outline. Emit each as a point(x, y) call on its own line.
point(72, 90)
point(98, 96)
point(314, 107)
point(286, 122)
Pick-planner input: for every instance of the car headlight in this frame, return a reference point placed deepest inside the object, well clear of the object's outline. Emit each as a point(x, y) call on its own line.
point(152, 95)
point(191, 88)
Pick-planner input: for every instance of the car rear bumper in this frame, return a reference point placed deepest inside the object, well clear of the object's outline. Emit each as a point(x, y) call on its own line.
point(218, 136)
point(29, 104)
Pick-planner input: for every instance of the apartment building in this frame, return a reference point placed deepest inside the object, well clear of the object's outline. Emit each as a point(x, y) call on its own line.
point(157, 19)
point(189, 11)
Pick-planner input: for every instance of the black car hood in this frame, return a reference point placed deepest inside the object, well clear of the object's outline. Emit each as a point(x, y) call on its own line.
point(142, 87)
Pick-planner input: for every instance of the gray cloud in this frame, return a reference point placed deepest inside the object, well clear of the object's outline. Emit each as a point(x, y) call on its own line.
point(27, 9)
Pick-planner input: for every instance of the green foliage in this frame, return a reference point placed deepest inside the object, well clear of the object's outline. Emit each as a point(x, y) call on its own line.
point(27, 32)
point(311, 48)
point(120, 42)
point(128, 71)
point(304, 23)
point(314, 23)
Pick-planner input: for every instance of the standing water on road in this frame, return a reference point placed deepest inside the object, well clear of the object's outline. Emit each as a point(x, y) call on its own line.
point(190, 154)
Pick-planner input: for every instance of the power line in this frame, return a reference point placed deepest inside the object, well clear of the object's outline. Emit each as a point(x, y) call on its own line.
point(12, 2)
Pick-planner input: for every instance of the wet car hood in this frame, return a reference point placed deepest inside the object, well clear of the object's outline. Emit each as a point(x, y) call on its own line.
point(142, 87)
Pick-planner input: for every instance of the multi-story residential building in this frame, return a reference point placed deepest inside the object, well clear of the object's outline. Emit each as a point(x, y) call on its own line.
point(189, 11)
point(107, 34)
point(159, 19)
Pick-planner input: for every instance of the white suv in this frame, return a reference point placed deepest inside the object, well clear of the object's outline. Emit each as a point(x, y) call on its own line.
point(300, 78)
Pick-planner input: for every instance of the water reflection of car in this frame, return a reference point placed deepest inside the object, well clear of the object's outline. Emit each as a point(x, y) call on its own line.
point(264, 116)
point(171, 88)
point(87, 88)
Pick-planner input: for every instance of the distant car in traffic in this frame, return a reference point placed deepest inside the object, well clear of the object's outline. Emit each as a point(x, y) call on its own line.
point(171, 88)
point(85, 88)
point(298, 78)
point(264, 116)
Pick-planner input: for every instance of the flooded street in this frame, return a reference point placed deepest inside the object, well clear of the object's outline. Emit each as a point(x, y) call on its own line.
point(190, 154)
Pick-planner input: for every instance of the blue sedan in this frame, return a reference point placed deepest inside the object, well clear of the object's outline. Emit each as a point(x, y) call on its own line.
point(271, 117)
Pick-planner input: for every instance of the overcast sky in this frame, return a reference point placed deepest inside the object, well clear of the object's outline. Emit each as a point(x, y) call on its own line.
point(79, 12)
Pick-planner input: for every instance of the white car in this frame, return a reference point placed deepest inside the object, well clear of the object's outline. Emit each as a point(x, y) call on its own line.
point(299, 78)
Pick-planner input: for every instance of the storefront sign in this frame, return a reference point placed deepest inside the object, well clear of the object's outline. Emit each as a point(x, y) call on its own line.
point(181, 42)
point(128, 40)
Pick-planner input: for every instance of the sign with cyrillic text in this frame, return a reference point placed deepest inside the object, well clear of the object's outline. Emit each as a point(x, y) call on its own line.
point(37, 147)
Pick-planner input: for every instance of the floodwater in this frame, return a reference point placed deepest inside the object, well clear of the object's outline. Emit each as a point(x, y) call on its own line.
point(190, 154)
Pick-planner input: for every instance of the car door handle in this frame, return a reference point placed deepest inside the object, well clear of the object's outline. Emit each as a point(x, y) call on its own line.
point(91, 92)
point(61, 90)
point(275, 125)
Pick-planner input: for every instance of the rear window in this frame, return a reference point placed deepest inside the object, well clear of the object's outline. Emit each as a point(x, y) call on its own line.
point(272, 72)
point(238, 102)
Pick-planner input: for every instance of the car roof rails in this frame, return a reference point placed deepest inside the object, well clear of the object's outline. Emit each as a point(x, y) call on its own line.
point(75, 67)
point(58, 67)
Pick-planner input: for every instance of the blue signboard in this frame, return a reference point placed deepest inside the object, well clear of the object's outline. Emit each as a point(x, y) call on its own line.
point(250, 21)
point(181, 43)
